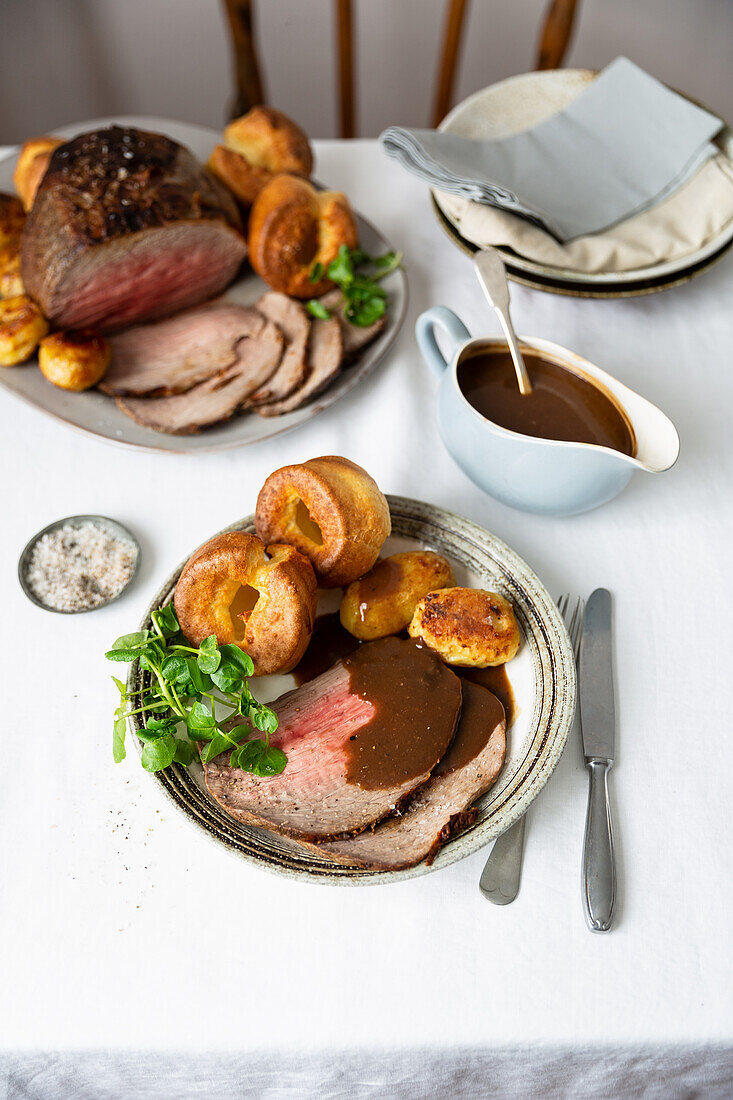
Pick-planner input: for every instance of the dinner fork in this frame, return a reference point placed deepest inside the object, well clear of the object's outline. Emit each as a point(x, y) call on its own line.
point(502, 873)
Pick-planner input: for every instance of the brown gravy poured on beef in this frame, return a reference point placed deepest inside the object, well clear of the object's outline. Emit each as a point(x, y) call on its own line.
point(562, 405)
point(481, 712)
point(329, 642)
point(417, 702)
point(496, 681)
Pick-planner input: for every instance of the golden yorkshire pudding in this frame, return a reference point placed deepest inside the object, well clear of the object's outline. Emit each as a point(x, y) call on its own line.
point(31, 166)
point(12, 220)
point(467, 626)
point(22, 326)
point(265, 604)
point(74, 360)
point(292, 227)
point(256, 147)
point(383, 601)
point(329, 509)
point(11, 283)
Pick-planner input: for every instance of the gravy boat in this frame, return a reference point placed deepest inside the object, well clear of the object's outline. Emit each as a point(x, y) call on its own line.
point(550, 477)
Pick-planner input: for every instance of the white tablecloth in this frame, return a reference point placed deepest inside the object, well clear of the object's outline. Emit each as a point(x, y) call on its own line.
point(137, 958)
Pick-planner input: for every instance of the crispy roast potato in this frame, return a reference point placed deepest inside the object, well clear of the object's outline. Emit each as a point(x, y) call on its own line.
point(12, 219)
point(383, 601)
point(293, 227)
point(74, 360)
point(331, 510)
point(22, 326)
point(265, 604)
point(11, 283)
point(31, 166)
point(467, 626)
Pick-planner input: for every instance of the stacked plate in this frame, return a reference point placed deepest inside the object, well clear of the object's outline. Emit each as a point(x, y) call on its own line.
point(520, 103)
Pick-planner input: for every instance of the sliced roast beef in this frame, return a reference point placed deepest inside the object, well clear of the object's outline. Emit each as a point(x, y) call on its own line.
point(216, 399)
point(359, 739)
point(445, 803)
point(355, 338)
point(293, 322)
point(171, 356)
point(325, 356)
point(127, 226)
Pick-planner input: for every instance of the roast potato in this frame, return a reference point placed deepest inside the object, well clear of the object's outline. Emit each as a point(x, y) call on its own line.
point(263, 603)
point(383, 601)
point(74, 360)
point(22, 326)
point(11, 283)
point(331, 510)
point(30, 168)
point(467, 626)
point(12, 219)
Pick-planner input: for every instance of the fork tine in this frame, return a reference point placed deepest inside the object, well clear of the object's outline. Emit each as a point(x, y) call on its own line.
point(572, 614)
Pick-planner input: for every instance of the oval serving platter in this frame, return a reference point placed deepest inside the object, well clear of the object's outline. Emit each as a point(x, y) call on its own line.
point(96, 414)
point(542, 677)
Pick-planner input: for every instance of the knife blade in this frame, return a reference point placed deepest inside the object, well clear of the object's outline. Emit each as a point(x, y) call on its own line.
point(597, 705)
point(598, 725)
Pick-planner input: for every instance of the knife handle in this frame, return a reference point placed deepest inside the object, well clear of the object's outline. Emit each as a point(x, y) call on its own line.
point(599, 867)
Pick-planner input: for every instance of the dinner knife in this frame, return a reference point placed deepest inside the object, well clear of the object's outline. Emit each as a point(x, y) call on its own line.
point(598, 722)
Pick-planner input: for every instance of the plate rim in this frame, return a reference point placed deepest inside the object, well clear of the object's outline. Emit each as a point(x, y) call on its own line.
point(530, 269)
point(529, 778)
point(373, 354)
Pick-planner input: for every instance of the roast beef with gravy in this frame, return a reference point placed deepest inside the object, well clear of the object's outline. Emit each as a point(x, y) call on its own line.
point(360, 739)
point(445, 804)
point(217, 398)
point(173, 355)
point(127, 226)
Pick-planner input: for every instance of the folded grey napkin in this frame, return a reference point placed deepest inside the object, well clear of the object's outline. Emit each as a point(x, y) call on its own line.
point(620, 147)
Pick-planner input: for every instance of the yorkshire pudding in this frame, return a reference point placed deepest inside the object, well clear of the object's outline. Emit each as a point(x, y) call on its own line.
point(31, 166)
point(12, 220)
point(293, 227)
point(263, 603)
point(329, 509)
point(256, 147)
point(467, 626)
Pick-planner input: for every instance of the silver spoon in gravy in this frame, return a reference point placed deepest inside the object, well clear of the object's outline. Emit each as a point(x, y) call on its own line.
point(489, 268)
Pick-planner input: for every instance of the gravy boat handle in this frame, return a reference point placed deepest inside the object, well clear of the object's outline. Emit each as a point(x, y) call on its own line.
point(444, 319)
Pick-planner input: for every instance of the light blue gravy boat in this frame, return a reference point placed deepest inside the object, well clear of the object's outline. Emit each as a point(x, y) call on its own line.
point(547, 476)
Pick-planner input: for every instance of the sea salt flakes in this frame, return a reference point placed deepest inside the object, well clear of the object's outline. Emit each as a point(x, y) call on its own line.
point(76, 568)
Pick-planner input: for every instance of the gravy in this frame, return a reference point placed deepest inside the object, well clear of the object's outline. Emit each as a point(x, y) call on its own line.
point(417, 703)
point(497, 682)
point(329, 642)
point(481, 712)
point(562, 405)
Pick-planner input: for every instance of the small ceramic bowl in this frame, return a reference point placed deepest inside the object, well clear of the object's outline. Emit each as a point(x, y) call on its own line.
point(108, 524)
point(550, 477)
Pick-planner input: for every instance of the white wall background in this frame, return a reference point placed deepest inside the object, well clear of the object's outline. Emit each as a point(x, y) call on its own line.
point(67, 60)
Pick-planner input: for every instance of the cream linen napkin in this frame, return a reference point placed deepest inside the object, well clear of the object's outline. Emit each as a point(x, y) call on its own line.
point(679, 226)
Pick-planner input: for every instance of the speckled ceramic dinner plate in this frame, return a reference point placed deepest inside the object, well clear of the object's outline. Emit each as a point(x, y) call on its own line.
point(523, 101)
point(96, 414)
point(542, 676)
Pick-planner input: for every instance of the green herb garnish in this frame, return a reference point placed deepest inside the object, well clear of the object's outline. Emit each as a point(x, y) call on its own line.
point(364, 301)
point(181, 696)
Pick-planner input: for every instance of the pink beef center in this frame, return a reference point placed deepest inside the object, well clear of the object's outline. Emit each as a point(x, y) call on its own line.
point(151, 283)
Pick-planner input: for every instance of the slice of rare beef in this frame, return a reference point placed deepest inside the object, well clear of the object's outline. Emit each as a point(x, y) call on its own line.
point(173, 355)
point(355, 338)
point(360, 738)
point(216, 399)
point(127, 226)
point(325, 356)
point(293, 322)
point(445, 803)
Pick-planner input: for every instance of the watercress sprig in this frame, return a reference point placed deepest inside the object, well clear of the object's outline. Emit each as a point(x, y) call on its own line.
point(364, 301)
point(183, 690)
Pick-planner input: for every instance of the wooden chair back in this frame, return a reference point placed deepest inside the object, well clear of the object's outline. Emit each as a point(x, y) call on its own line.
point(555, 35)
